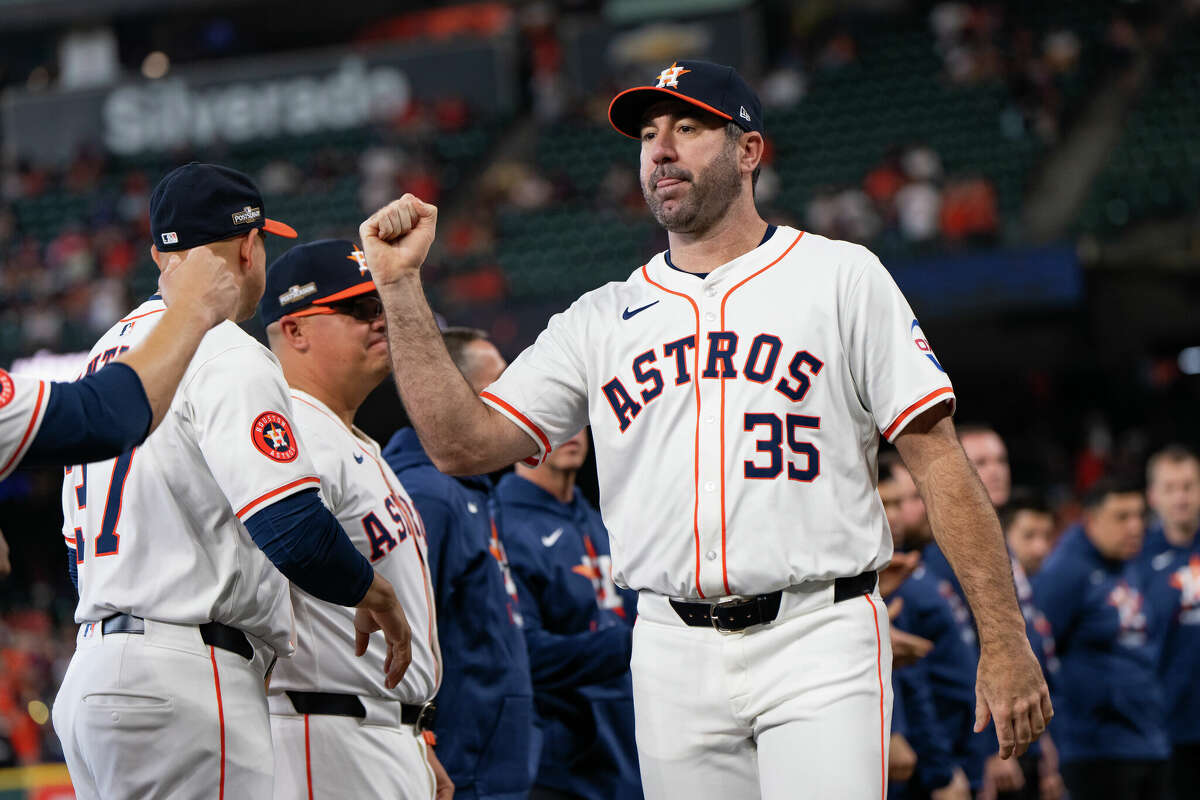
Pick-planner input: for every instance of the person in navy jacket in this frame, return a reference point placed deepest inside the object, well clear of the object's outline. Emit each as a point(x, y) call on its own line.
point(486, 738)
point(937, 692)
point(1170, 564)
point(578, 626)
point(1111, 734)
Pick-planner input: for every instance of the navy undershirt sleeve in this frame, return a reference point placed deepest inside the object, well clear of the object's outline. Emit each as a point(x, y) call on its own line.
point(73, 568)
point(306, 543)
point(93, 419)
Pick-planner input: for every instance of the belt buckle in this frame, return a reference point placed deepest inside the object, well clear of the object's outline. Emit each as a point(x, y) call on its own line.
point(724, 601)
point(426, 717)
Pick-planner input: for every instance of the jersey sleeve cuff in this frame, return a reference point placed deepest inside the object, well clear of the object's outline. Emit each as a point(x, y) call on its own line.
point(524, 423)
point(31, 430)
point(275, 495)
point(944, 394)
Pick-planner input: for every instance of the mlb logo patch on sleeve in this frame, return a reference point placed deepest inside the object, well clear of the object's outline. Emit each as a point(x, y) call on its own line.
point(272, 436)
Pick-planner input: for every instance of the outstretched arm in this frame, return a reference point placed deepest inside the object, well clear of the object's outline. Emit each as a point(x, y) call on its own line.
point(1010, 687)
point(461, 434)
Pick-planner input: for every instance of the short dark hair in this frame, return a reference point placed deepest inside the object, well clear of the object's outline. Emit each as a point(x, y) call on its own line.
point(1107, 486)
point(457, 339)
point(1023, 499)
point(975, 429)
point(1172, 453)
point(733, 132)
point(889, 461)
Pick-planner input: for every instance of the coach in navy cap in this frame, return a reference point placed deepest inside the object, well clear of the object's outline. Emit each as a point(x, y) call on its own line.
point(327, 276)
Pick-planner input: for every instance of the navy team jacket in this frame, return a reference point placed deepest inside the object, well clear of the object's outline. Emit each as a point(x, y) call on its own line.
point(578, 626)
point(1109, 701)
point(930, 611)
point(1172, 580)
point(485, 727)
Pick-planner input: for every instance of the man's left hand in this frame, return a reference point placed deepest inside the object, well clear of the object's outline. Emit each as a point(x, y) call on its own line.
point(1011, 690)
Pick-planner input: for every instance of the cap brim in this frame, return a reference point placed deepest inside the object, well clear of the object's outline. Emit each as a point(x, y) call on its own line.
point(626, 109)
point(353, 291)
point(280, 229)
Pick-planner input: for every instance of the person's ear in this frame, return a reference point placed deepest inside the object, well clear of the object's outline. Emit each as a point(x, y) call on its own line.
point(294, 334)
point(157, 256)
point(750, 151)
point(246, 250)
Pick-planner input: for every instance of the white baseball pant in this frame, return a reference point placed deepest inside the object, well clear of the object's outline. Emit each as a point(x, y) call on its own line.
point(798, 708)
point(163, 715)
point(328, 757)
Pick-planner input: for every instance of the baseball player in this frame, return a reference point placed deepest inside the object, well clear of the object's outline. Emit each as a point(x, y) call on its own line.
point(736, 387)
point(181, 613)
point(337, 730)
point(1112, 736)
point(112, 410)
point(578, 627)
point(1170, 566)
point(485, 722)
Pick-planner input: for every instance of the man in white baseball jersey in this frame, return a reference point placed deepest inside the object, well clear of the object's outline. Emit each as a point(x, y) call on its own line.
point(109, 411)
point(181, 612)
point(337, 730)
point(736, 386)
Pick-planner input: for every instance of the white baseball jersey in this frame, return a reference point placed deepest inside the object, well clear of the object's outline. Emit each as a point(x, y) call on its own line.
point(22, 406)
point(158, 531)
point(736, 417)
point(367, 498)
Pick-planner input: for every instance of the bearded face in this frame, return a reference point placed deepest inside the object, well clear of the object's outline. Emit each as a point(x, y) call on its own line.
point(684, 201)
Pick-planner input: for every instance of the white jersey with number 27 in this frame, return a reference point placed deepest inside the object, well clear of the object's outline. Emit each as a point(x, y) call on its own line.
point(158, 531)
point(737, 416)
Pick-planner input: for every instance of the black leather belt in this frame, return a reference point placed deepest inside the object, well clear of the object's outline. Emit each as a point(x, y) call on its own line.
point(216, 634)
point(348, 705)
point(738, 614)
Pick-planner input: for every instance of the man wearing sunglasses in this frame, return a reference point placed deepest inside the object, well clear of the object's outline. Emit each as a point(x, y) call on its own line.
point(337, 730)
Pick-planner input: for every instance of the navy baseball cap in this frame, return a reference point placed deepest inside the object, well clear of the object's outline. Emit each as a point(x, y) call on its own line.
point(313, 275)
point(713, 87)
point(203, 203)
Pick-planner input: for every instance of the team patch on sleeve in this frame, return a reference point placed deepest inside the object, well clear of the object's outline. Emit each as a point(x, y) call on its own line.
point(272, 434)
point(7, 390)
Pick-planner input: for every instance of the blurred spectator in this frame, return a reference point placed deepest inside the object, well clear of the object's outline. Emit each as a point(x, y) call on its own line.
point(1110, 717)
point(1170, 564)
point(987, 453)
point(579, 629)
point(969, 210)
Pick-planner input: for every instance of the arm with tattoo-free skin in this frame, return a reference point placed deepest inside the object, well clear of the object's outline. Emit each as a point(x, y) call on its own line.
point(1010, 688)
point(461, 434)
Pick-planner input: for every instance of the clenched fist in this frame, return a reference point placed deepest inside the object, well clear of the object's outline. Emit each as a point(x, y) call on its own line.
point(397, 237)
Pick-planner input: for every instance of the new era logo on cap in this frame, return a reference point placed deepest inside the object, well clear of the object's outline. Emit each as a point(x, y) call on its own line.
point(744, 114)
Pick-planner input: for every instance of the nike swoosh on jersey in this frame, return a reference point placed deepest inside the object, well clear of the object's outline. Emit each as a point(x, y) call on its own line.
point(358, 457)
point(549, 541)
point(626, 314)
point(474, 509)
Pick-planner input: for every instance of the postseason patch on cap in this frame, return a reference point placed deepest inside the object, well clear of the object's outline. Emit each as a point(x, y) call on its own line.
point(296, 293)
point(247, 214)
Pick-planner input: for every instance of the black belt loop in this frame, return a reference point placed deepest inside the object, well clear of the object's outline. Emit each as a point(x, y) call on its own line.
point(216, 634)
point(737, 614)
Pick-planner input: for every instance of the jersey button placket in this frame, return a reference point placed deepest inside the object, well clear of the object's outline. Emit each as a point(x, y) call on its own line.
point(709, 488)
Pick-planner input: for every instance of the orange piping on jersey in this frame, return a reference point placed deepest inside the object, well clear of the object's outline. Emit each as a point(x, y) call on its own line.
point(696, 451)
point(900, 420)
point(212, 653)
point(139, 316)
point(273, 492)
point(541, 436)
point(725, 299)
point(33, 418)
point(307, 759)
point(879, 672)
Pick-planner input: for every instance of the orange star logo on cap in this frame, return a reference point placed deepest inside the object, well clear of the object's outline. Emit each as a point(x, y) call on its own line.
point(670, 76)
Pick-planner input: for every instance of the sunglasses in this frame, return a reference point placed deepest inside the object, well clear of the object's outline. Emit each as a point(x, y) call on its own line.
point(366, 308)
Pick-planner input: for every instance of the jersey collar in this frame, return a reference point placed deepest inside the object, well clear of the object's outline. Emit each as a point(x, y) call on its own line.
point(777, 240)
